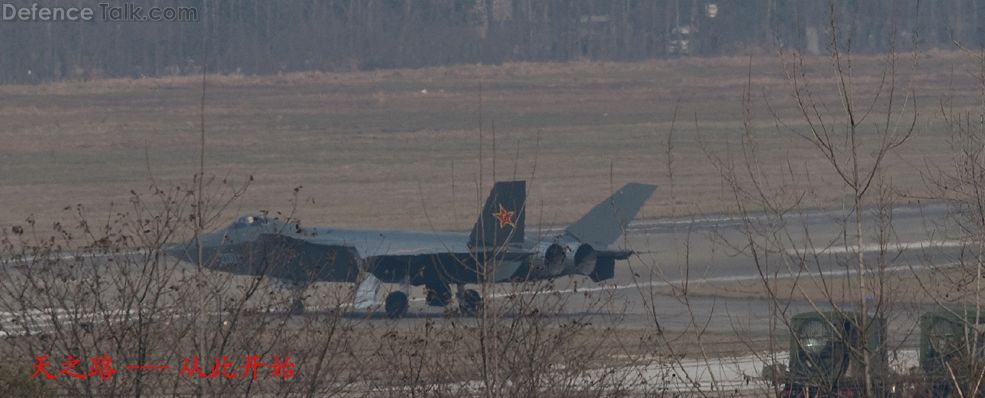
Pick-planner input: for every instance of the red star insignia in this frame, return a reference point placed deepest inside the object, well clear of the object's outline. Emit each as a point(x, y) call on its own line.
point(505, 217)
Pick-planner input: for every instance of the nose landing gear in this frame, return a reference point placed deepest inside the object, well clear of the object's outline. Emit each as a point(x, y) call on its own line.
point(296, 307)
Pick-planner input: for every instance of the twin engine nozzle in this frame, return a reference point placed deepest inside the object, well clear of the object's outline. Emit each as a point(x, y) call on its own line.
point(564, 258)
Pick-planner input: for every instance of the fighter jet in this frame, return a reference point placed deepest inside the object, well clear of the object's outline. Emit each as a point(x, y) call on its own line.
point(496, 250)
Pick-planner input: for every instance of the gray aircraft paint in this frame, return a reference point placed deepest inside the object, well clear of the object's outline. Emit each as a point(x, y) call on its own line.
point(496, 250)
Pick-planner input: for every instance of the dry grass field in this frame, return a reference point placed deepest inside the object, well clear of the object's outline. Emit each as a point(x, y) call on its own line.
point(404, 149)
point(401, 148)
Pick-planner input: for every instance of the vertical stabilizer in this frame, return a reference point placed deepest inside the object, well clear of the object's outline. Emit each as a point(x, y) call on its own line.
point(502, 217)
point(607, 221)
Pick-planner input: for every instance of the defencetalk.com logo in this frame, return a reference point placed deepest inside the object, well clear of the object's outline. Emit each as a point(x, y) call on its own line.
point(126, 12)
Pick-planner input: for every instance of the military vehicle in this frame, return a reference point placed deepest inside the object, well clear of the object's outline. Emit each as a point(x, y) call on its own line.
point(827, 355)
point(496, 250)
point(951, 357)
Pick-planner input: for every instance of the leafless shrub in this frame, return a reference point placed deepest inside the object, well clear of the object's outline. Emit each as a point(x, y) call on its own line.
point(853, 131)
point(107, 292)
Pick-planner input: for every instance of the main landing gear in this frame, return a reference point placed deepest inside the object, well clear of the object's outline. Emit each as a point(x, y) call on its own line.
point(469, 301)
point(396, 304)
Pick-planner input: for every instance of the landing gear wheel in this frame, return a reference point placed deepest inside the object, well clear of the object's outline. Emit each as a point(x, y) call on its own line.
point(438, 298)
point(470, 303)
point(297, 307)
point(396, 305)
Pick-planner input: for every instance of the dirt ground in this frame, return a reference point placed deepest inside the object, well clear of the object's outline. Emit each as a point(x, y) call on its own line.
point(402, 148)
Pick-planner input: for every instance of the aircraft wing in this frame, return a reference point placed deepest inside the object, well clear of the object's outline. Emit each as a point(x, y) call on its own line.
point(391, 256)
point(304, 260)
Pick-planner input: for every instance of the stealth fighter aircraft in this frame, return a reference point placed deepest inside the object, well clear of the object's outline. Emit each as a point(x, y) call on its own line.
point(495, 251)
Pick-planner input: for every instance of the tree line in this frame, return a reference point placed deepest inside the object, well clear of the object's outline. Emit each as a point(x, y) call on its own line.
point(262, 37)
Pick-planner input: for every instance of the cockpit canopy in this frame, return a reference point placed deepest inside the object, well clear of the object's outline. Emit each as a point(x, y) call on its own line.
point(251, 220)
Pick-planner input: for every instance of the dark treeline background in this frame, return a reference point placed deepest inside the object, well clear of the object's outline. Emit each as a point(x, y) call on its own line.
point(262, 37)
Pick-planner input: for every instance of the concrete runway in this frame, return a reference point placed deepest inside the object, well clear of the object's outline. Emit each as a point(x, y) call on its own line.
point(704, 249)
point(699, 250)
point(709, 249)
